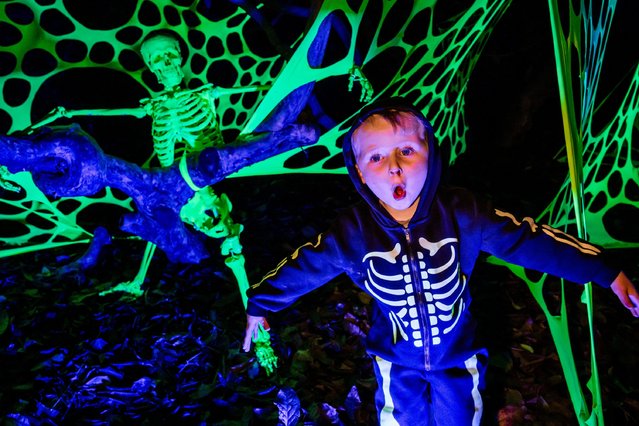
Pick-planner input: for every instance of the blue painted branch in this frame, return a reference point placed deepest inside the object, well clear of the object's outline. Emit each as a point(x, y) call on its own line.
point(67, 162)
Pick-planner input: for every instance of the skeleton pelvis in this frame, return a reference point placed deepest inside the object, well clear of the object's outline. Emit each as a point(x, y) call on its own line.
point(209, 213)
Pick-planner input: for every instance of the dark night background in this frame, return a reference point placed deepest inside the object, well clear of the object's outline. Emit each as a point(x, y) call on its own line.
point(173, 355)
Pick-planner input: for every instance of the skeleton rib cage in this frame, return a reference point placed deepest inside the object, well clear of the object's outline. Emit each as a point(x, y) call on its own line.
point(188, 118)
point(185, 117)
point(441, 283)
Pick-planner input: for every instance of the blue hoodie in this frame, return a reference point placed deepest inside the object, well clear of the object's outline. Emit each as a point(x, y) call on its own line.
point(419, 275)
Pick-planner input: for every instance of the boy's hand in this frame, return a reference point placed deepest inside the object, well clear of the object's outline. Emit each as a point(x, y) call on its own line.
point(627, 293)
point(252, 328)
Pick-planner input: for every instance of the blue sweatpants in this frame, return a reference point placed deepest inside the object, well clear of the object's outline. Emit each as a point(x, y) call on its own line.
point(409, 397)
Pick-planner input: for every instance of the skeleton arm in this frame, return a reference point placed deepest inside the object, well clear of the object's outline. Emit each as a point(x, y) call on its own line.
point(217, 92)
point(60, 112)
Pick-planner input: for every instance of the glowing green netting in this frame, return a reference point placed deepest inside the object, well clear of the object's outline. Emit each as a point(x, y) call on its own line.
point(42, 223)
point(605, 156)
point(433, 71)
point(598, 164)
point(434, 66)
point(34, 38)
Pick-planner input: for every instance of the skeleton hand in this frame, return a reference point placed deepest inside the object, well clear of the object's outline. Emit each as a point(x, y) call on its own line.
point(356, 74)
point(627, 293)
point(52, 116)
point(60, 111)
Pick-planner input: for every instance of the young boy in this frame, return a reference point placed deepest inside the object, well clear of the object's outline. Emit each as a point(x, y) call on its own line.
point(412, 247)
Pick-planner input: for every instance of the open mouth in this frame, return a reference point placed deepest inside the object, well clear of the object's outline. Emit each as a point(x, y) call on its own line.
point(399, 193)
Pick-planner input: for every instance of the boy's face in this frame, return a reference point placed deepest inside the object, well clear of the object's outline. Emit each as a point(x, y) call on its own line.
point(392, 162)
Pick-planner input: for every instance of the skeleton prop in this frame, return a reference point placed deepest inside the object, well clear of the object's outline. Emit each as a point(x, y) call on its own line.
point(366, 90)
point(184, 122)
point(66, 162)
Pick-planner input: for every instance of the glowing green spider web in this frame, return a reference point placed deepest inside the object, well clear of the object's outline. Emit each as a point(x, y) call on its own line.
point(602, 174)
point(42, 223)
point(433, 63)
point(44, 42)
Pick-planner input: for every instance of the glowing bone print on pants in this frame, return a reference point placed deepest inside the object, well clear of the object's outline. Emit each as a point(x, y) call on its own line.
point(442, 287)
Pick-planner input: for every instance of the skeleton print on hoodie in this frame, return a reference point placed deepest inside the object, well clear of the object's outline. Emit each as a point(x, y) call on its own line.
point(419, 276)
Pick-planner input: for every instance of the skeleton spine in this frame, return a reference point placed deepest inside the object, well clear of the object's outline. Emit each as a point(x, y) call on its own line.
point(419, 298)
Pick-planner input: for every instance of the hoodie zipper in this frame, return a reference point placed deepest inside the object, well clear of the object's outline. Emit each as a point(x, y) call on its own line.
point(419, 299)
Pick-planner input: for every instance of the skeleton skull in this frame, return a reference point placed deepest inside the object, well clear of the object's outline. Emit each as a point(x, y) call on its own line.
point(161, 53)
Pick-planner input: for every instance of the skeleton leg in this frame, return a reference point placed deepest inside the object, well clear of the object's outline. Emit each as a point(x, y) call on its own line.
point(218, 224)
point(134, 286)
point(232, 248)
point(263, 350)
point(235, 260)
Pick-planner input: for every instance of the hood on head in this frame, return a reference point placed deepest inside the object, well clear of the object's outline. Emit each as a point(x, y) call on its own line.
point(434, 157)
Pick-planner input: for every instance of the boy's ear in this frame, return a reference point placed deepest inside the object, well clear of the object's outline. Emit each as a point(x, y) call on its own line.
point(359, 172)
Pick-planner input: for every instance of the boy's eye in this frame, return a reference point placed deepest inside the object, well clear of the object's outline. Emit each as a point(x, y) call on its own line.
point(407, 151)
point(375, 158)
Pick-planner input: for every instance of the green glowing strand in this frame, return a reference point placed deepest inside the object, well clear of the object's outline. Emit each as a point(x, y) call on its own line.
point(434, 71)
point(594, 160)
point(39, 218)
point(574, 150)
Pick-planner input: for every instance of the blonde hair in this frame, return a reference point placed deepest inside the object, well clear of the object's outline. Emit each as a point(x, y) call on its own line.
point(406, 122)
